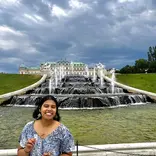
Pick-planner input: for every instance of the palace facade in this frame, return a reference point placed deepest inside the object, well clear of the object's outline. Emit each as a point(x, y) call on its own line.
point(66, 67)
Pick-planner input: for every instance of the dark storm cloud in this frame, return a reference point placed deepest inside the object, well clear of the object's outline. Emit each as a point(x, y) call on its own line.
point(114, 32)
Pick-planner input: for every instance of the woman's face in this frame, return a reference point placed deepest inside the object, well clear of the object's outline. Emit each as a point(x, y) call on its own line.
point(48, 109)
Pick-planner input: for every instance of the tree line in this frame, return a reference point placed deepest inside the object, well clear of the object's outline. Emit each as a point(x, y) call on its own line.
point(143, 65)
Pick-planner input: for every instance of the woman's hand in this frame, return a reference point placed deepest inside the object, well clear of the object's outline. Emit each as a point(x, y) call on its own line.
point(47, 154)
point(29, 145)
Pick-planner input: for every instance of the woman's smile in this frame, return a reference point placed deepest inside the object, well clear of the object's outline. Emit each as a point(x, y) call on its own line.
point(49, 113)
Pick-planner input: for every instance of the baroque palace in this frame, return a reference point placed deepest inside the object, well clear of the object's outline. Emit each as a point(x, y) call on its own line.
point(68, 68)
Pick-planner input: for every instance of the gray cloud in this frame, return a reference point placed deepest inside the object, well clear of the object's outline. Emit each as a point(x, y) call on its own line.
point(114, 32)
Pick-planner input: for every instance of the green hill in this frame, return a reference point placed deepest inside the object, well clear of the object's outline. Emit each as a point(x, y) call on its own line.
point(13, 82)
point(141, 81)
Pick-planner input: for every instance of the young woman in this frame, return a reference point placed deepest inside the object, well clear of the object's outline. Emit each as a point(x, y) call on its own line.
point(46, 136)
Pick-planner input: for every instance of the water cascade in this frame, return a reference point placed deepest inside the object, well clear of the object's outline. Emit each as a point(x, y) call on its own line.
point(50, 85)
point(94, 75)
point(75, 91)
point(72, 68)
point(101, 77)
point(60, 73)
point(56, 77)
point(113, 79)
point(87, 71)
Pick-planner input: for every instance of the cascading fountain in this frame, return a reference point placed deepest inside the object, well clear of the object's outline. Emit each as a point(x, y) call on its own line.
point(101, 77)
point(112, 79)
point(94, 75)
point(72, 68)
point(56, 77)
point(74, 91)
point(79, 92)
point(50, 85)
point(87, 71)
point(60, 73)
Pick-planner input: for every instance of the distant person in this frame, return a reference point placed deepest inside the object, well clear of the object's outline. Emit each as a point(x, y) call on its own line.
point(46, 136)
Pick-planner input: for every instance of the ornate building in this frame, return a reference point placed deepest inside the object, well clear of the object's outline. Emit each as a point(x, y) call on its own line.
point(29, 70)
point(66, 67)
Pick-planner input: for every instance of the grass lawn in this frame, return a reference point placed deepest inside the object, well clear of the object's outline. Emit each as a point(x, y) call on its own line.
point(141, 81)
point(13, 82)
point(107, 126)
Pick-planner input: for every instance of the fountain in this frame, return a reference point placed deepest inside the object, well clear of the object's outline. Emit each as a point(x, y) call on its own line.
point(55, 77)
point(87, 71)
point(94, 75)
point(74, 91)
point(78, 91)
point(50, 85)
point(60, 73)
point(72, 68)
point(112, 79)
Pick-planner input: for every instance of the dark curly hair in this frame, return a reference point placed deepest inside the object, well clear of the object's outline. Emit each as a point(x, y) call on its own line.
point(39, 104)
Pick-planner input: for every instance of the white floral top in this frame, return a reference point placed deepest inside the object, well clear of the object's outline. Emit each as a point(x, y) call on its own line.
point(59, 141)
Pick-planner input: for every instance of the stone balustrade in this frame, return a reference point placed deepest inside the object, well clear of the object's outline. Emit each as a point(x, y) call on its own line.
point(147, 148)
point(132, 89)
point(23, 90)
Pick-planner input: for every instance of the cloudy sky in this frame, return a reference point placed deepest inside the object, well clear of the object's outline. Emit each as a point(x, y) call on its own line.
point(113, 32)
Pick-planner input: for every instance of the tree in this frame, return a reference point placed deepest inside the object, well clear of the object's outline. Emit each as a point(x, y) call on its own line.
point(149, 53)
point(152, 54)
point(152, 66)
point(141, 65)
point(127, 69)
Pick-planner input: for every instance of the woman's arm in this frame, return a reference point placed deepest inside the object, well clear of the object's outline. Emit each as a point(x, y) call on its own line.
point(22, 152)
point(28, 147)
point(67, 154)
point(67, 143)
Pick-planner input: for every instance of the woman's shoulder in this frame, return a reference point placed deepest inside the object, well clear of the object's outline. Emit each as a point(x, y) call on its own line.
point(66, 134)
point(28, 125)
point(63, 128)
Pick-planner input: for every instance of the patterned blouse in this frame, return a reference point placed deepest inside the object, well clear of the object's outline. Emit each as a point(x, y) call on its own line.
point(60, 140)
